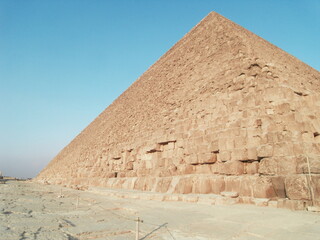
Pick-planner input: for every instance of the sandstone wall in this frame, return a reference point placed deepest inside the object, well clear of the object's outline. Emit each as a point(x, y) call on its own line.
point(223, 110)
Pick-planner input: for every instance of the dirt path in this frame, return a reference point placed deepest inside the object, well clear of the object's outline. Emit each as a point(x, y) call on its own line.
point(33, 211)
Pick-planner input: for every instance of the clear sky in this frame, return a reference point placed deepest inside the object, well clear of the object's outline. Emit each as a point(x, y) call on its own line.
point(62, 62)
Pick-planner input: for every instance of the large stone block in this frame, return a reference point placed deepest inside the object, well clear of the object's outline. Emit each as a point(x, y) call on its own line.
point(240, 142)
point(264, 151)
point(207, 158)
point(251, 167)
point(214, 146)
point(224, 156)
point(232, 168)
point(217, 184)
point(252, 154)
point(246, 186)
point(280, 165)
point(163, 184)
point(232, 184)
point(297, 187)
point(239, 154)
point(202, 169)
point(184, 186)
point(304, 163)
point(279, 186)
point(185, 169)
point(315, 184)
point(263, 188)
point(283, 108)
point(283, 149)
point(202, 185)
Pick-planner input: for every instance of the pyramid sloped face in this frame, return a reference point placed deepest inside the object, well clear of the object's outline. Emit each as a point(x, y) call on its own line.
point(222, 110)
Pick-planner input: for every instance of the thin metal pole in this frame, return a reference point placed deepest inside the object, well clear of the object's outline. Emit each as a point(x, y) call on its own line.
point(310, 182)
point(77, 204)
point(137, 228)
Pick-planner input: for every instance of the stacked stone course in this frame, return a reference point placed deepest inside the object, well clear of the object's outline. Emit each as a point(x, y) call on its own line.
point(222, 111)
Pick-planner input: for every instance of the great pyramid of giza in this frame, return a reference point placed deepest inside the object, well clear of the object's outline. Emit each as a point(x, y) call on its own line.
point(222, 111)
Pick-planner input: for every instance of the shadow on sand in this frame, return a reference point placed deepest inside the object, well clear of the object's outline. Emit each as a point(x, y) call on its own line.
point(154, 230)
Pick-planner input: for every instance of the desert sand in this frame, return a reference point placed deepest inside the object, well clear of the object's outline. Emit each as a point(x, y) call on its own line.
point(34, 211)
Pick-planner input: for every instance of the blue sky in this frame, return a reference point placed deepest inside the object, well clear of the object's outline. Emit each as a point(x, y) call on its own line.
point(63, 62)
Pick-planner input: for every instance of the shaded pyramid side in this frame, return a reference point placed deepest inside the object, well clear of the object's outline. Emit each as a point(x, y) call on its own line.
point(222, 110)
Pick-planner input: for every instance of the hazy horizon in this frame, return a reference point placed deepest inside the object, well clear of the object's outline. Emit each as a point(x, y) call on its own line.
point(63, 62)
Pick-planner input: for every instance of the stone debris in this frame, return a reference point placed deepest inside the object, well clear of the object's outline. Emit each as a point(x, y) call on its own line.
point(32, 211)
point(230, 194)
point(222, 111)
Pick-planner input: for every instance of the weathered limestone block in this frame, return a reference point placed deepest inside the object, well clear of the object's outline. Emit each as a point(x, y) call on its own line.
point(224, 156)
point(297, 187)
point(214, 146)
point(283, 149)
point(167, 153)
point(279, 186)
point(252, 154)
point(246, 186)
point(254, 141)
point(232, 184)
point(202, 169)
point(239, 154)
point(129, 183)
point(231, 168)
point(307, 137)
point(149, 164)
point(192, 159)
point(264, 151)
point(217, 184)
point(184, 185)
point(280, 165)
point(202, 185)
point(314, 164)
point(163, 184)
point(112, 175)
point(121, 174)
point(263, 188)
point(240, 142)
point(293, 204)
point(312, 148)
point(197, 141)
point(131, 174)
point(129, 166)
point(251, 167)
point(186, 169)
point(202, 148)
point(204, 158)
point(230, 194)
point(283, 108)
point(299, 149)
point(315, 184)
point(222, 144)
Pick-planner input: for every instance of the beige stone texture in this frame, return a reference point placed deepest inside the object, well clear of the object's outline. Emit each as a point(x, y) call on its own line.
point(297, 187)
point(222, 111)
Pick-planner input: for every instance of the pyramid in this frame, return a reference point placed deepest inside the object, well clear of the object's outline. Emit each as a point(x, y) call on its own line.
point(222, 111)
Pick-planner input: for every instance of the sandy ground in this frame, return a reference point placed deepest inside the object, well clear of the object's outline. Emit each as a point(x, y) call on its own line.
point(33, 211)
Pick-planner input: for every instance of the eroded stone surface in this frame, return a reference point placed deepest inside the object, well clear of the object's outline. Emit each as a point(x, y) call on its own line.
point(222, 110)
